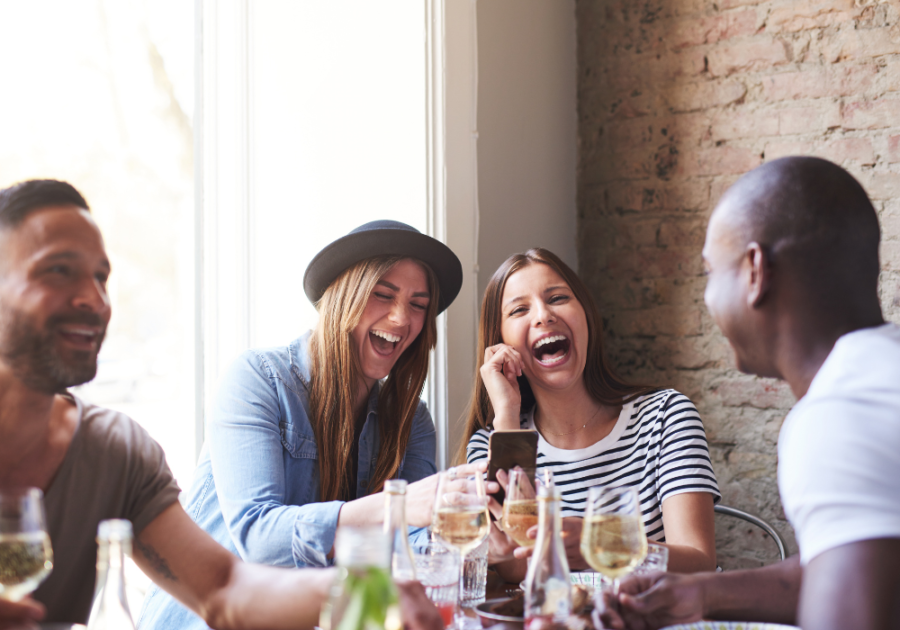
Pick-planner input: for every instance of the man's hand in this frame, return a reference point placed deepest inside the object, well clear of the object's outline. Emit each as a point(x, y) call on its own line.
point(657, 600)
point(21, 614)
point(416, 610)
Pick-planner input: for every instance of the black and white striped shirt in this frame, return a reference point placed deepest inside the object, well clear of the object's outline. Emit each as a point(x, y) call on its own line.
point(658, 445)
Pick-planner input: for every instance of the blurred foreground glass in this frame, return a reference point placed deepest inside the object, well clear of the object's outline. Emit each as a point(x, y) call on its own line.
point(461, 521)
point(437, 568)
point(475, 576)
point(612, 537)
point(363, 596)
point(657, 559)
point(26, 557)
point(548, 599)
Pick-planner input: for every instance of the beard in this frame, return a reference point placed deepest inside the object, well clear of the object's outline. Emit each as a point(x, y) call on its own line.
point(33, 357)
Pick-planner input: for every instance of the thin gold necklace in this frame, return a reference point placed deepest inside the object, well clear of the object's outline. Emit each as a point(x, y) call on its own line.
point(570, 432)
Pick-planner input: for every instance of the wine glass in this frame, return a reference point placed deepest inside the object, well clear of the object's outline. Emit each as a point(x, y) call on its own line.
point(520, 507)
point(26, 557)
point(613, 541)
point(460, 520)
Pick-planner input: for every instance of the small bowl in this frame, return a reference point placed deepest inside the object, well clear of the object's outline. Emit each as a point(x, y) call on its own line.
point(488, 618)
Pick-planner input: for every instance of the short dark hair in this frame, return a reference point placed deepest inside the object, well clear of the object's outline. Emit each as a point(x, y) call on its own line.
point(20, 200)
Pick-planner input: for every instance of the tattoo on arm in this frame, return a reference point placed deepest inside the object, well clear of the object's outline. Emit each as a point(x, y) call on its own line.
point(157, 562)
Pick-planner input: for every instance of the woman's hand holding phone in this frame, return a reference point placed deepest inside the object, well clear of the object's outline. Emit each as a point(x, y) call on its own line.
point(502, 366)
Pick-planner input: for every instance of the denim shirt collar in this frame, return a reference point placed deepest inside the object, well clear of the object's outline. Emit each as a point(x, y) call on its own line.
point(299, 353)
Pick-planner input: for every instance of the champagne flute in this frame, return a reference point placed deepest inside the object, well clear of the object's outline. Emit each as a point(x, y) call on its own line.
point(460, 520)
point(26, 557)
point(613, 541)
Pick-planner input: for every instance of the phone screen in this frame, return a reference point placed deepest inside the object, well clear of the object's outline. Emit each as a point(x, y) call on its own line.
point(508, 449)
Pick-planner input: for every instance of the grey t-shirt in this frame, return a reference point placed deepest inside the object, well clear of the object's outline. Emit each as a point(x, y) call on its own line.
point(113, 469)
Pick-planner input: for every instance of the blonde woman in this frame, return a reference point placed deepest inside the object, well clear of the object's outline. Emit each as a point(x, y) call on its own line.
point(302, 438)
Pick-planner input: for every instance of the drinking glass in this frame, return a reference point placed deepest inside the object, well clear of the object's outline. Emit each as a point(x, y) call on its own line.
point(613, 541)
point(437, 568)
point(26, 557)
point(520, 508)
point(460, 520)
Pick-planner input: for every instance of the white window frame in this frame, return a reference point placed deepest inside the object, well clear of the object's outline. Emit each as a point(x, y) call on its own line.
point(224, 220)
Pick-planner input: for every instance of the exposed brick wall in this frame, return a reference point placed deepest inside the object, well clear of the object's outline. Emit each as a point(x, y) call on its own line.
point(676, 99)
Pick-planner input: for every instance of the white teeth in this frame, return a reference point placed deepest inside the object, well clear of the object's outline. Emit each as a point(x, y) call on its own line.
point(79, 331)
point(547, 340)
point(386, 336)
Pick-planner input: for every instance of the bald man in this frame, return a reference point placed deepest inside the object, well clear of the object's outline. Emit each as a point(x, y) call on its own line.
point(792, 257)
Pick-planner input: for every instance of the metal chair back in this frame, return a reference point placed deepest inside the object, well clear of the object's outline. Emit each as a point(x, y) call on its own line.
point(755, 520)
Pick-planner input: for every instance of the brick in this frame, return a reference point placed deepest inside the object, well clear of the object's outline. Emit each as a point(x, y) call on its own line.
point(817, 117)
point(718, 187)
point(779, 149)
point(661, 320)
point(723, 160)
point(709, 30)
point(758, 53)
point(754, 392)
point(843, 149)
point(877, 114)
point(701, 95)
point(731, 4)
point(849, 43)
point(740, 123)
point(881, 185)
point(682, 232)
point(801, 15)
point(893, 149)
point(843, 80)
point(890, 255)
point(661, 262)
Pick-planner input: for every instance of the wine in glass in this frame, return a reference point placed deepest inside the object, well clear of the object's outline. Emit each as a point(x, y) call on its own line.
point(26, 557)
point(460, 519)
point(520, 507)
point(613, 541)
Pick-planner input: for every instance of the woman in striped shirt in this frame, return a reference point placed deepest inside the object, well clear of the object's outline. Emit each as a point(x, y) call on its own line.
point(543, 368)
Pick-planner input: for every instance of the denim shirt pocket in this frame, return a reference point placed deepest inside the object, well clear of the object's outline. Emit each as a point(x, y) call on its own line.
point(297, 445)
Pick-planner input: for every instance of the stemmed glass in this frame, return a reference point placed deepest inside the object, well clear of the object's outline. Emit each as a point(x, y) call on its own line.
point(26, 557)
point(613, 541)
point(520, 506)
point(460, 520)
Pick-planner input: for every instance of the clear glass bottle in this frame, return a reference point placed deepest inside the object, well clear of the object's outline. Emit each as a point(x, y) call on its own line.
point(110, 610)
point(548, 599)
point(402, 564)
point(363, 596)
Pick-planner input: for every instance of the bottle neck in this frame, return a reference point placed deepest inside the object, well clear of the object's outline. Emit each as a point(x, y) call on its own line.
point(549, 518)
point(395, 511)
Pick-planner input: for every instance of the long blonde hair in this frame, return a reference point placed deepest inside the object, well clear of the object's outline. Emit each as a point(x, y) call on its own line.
point(336, 375)
point(601, 381)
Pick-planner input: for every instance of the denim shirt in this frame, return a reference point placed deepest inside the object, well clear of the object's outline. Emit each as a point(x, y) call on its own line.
point(256, 486)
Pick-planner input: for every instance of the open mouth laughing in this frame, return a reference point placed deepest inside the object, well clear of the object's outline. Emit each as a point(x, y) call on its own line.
point(383, 342)
point(551, 350)
point(82, 337)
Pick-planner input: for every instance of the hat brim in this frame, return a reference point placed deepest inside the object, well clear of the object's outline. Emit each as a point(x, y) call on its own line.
point(346, 251)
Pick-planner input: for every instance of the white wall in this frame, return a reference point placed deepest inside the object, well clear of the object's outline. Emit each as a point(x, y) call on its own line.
point(527, 130)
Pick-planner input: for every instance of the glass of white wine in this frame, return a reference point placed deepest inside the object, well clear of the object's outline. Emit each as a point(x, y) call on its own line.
point(26, 557)
point(520, 506)
point(613, 541)
point(460, 520)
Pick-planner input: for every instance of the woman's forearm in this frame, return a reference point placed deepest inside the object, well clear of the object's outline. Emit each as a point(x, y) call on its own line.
point(368, 510)
point(685, 559)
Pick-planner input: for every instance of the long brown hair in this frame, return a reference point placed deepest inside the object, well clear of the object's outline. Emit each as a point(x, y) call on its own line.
point(601, 381)
point(336, 374)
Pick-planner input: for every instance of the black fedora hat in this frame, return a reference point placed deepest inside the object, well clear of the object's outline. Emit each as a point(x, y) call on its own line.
point(384, 238)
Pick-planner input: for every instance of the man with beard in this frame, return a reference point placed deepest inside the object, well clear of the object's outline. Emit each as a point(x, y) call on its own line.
point(792, 258)
point(94, 463)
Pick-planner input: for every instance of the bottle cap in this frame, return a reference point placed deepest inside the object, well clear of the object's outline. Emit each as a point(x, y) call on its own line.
point(395, 486)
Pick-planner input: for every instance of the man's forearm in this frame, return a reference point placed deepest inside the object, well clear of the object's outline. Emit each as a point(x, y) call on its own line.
point(767, 594)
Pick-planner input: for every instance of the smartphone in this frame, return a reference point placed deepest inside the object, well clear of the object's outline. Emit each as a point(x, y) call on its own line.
point(508, 449)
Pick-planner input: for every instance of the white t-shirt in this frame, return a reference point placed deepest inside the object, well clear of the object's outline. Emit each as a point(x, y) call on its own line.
point(839, 448)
